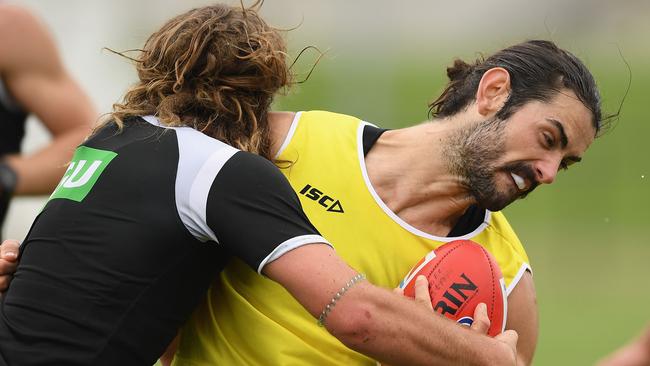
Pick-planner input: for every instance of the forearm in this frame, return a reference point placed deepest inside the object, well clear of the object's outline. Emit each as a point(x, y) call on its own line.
point(396, 330)
point(40, 172)
point(635, 353)
point(39, 83)
point(377, 322)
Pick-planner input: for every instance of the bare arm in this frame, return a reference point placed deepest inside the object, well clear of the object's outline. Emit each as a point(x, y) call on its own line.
point(35, 76)
point(381, 324)
point(523, 318)
point(371, 320)
point(635, 353)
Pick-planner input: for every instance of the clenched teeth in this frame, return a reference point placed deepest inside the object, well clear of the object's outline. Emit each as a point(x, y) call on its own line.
point(519, 181)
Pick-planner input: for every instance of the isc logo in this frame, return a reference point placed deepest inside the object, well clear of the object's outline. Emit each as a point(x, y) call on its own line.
point(452, 303)
point(324, 200)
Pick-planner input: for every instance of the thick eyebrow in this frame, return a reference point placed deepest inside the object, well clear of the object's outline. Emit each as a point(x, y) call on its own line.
point(560, 129)
point(564, 140)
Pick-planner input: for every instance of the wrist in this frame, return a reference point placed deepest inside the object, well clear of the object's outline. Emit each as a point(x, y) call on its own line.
point(8, 180)
point(500, 354)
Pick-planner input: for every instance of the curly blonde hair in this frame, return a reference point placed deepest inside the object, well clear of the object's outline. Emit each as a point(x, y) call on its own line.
point(215, 69)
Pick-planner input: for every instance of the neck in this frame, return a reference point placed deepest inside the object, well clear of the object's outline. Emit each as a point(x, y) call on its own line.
point(279, 125)
point(408, 171)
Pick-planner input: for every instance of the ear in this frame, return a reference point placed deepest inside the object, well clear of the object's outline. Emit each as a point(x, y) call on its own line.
point(493, 91)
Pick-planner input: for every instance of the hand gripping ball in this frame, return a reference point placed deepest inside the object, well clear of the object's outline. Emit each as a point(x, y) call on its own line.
point(461, 275)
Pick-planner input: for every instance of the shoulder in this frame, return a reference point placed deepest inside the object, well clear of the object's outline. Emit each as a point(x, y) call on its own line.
point(251, 178)
point(250, 171)
point(508, 249)
point(331, 117)
point(321, 125)
point(197, 148)
point(500, 225)
point(24, 40)
point(210, 162)
point(12, 17)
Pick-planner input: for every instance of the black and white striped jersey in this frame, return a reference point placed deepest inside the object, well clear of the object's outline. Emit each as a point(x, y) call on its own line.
point(139, 225)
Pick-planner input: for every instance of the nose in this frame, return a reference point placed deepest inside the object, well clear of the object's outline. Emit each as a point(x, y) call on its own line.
point(546, 170)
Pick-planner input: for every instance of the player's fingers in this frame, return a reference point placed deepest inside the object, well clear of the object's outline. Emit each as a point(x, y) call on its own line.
point(509, 337)
point(9, 250)
point(422, 292)
point(7, 270)
point(4, 282)
point(8, 262)
point(481, 322)
point(399, 291)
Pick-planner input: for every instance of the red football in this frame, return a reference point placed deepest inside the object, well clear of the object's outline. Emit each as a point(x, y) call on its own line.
point(461, 275)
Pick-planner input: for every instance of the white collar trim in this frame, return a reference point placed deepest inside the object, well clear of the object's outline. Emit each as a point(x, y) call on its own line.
point(396, 218)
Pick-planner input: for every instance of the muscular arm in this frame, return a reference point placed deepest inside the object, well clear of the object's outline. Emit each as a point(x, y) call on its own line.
point(523, 318)
point(35, 76)
point(378, 323)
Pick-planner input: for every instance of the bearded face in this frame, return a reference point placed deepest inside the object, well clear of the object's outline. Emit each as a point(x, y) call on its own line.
point(475, 155)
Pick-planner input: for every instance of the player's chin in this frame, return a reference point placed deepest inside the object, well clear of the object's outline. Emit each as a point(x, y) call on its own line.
point(497, 201)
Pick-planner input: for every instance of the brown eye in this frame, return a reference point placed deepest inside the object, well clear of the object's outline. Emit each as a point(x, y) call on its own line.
point(549, 140)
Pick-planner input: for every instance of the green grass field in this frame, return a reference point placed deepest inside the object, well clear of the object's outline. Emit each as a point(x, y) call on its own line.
point(585, 234)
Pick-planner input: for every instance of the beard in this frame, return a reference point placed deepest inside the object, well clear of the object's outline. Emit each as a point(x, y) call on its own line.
point(473, 154)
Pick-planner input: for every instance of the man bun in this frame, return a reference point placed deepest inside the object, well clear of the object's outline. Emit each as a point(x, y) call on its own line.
point(459, 70)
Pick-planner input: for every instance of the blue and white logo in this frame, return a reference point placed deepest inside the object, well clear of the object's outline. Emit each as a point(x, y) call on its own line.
point(466, 320)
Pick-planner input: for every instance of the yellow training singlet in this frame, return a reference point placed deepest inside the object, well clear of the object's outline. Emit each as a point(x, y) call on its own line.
point(248, 319)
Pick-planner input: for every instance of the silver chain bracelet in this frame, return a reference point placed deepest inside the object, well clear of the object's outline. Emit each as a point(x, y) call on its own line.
point(337, 296)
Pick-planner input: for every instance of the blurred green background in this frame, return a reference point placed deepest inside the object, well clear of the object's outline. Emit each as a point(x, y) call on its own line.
point(385, 60)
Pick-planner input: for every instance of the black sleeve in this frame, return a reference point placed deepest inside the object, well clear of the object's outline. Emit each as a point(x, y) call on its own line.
point(254, 212)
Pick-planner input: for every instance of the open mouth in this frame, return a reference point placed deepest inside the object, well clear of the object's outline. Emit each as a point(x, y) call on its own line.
point(519, 181)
